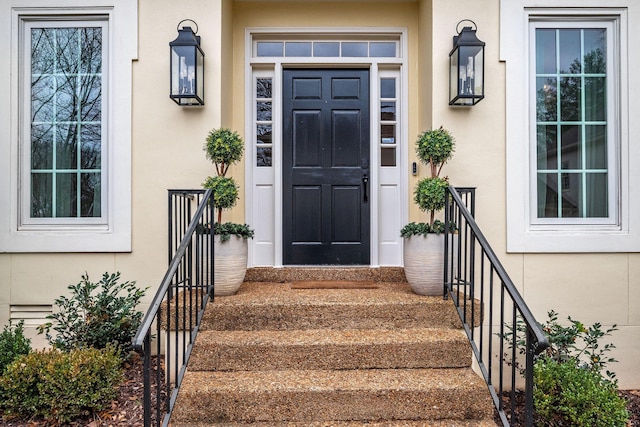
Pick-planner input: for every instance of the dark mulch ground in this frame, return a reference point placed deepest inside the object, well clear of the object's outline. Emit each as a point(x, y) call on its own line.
point(127, 409)
point(632, 397)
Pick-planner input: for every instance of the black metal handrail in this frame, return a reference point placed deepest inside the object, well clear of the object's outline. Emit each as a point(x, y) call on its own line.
point(480, 284)
point(167, 333)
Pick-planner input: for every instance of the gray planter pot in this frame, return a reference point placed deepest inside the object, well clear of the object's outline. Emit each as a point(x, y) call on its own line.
point(230, 259)
point(424, 263)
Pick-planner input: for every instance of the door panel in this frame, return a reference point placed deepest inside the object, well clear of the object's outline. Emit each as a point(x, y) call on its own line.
point(326, 214)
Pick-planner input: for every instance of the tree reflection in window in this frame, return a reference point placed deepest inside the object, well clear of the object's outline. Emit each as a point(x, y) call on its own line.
point(66, 122)
point(571, 116)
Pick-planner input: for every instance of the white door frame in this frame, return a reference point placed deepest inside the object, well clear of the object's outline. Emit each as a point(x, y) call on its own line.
point(263, 185)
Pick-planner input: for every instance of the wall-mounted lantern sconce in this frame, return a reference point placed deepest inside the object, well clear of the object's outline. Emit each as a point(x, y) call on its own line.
point(187, 67)
point(466, 67)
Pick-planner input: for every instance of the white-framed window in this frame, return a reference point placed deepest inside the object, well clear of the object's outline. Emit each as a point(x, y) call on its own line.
point(573, 122)
point(569, 160)
point(66, 171)
point(63, 142)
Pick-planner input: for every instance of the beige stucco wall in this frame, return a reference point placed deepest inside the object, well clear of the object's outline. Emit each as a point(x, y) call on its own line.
point(589, 287)
point(167, 153)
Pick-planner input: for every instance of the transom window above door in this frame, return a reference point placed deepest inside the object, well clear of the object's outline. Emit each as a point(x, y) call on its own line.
point(326, 49)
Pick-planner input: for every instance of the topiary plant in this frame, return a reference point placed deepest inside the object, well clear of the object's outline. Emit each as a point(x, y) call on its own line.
point(434, 148)
point(224, 148)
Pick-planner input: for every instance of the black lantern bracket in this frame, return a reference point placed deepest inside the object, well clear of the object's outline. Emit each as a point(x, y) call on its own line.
point(466, 66)
point(186, 74)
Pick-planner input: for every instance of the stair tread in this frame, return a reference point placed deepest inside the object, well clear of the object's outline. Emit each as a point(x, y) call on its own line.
point(390, 423)
point(267, 293)
point(330, 380)
point(330, 349)
point(312, 395)
point(263, 305)
point(331, 336)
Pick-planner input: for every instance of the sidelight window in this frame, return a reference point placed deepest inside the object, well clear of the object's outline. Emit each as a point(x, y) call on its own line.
point(388, 121)
point(264, 121)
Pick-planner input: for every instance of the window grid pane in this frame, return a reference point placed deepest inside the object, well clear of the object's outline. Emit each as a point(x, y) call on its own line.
point(327, 49)
point(571, 123)
point(388, 122)
point(66, 122)
point(263, 126)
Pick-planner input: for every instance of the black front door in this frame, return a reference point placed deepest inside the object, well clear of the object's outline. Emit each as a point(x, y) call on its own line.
point(326, 215)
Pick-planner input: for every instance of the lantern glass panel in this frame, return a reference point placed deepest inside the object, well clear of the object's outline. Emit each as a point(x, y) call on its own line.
point(470, 70)
point(199, 74)
point(466, 77)
point(183, 66)
point(454, 81)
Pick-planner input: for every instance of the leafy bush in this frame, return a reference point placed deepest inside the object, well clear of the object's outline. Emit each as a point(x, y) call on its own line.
point(13, 344)
point(422, 228)
point(228, 228)
point(60, 386)
point(574, 341)
point(96, 315)
point(579, 343)
point(572, 386)
point(566, 394)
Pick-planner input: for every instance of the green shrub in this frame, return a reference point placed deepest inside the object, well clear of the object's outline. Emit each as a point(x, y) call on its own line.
point(228, 228)
point(422, 228)
point(96, 315)
point(13, 343)
point(572, 386)
point(566, 394)
point(61, 386)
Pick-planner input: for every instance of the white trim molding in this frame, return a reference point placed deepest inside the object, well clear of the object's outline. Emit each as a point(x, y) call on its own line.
point(112, 231)
point(525, 233)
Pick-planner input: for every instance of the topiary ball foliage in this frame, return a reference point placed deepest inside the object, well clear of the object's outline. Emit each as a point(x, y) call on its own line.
point(223, 147)
point(435, 146)
point(225, 191)
point(429, 193)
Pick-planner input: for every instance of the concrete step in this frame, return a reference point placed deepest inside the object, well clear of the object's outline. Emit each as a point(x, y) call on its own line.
point(318, 395)
point(324, 349)
point(278, 306)
point(291, 274)
point(392, 423)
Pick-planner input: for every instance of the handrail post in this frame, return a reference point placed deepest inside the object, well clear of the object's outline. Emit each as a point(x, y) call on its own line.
point(530, 354)
point(445, 290)
point(146, 381)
